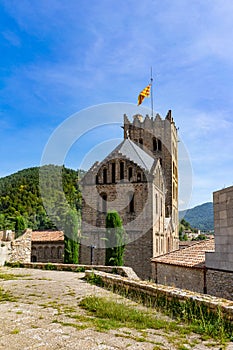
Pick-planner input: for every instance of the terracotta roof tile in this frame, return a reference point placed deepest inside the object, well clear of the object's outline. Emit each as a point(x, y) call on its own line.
point(193, 256)
point(45, 236)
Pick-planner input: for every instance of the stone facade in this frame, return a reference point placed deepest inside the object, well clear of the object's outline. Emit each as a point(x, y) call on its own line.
point(222, 258)
point(220, 262)
point(192, 279)
point(220, 283)
point(132, 181)
point(47, 246)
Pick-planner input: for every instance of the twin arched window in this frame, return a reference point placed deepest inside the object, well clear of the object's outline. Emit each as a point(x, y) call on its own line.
point(157, 144)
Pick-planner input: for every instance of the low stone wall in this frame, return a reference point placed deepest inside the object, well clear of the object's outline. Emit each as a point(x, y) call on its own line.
point(118, 270)
point(220, 283)
point(162, 296)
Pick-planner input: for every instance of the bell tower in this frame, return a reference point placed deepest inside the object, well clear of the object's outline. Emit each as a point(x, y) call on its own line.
point(158, 137)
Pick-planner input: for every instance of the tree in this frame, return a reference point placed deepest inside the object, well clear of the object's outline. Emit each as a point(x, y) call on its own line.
point(20, 225)
point(71, 226)
point(115, 240)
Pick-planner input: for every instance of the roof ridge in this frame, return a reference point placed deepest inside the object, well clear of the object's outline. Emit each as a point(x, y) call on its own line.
point(132, 144)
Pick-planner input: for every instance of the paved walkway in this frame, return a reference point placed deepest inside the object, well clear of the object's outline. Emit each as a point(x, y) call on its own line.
point(41, 318)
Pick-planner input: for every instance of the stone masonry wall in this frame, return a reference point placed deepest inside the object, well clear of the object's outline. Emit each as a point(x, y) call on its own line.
point(222, 258)
point(157, 291)
point(21, 248)
point(220, 283)
point(180, 277)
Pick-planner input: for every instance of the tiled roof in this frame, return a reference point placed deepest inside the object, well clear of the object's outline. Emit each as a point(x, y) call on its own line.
point(193, 256)
point(47, 236)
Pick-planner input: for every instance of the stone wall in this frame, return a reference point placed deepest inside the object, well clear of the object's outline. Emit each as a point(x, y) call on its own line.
point(180, 277)
point(20, 248)
point(51, 251)
point(220, 283)
point(158, 292)
point(222, 258)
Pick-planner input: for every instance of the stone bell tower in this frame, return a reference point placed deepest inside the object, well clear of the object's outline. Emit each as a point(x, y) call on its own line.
point(158, 137)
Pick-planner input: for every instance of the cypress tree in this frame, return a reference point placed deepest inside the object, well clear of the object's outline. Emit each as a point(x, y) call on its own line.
point(115, 240)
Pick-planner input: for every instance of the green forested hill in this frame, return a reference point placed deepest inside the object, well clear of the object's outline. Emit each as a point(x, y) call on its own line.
point(20, 198)
point(200, 217)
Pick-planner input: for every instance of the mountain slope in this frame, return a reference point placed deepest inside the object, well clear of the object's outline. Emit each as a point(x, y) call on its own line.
point(200, 217)
point(20, 195)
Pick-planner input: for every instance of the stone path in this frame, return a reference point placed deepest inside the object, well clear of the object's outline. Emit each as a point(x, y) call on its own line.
point(41, 318)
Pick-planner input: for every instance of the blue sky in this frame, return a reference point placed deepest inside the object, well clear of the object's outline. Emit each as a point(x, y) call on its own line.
point(59, 58)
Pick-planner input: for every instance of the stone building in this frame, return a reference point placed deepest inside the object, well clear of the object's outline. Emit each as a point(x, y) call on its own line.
point(220, 262)
point(184, 268)
point(47, 246)
point(138, 179)
point(207, 266)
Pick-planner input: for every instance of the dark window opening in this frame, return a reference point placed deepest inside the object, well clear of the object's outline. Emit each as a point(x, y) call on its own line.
point(130, 173)
point(121, 170)
point(159, 145)
point(131, 202)
point(141, 141)
point(113, 173)
point(97, 179)
point(105, 176)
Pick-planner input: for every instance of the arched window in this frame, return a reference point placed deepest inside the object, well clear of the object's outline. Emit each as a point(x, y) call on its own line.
point(131, 202)
point(122, 170)
point(59, 252)
point(113, 173)
point(130, 173)
point(139, 177)
point(104, 175)
point(159, 145)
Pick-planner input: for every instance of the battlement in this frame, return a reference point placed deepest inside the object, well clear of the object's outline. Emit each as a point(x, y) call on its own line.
point(148, 122)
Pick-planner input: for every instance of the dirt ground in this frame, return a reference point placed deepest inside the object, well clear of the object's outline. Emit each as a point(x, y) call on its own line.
point(40, 317)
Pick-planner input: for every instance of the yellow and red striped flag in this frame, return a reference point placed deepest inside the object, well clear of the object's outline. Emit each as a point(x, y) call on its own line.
point(144, 93)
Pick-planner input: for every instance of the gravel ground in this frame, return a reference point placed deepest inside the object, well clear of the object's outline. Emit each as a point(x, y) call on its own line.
point(41, 317)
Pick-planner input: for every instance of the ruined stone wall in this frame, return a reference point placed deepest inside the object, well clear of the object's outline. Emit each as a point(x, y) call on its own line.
point(20, 248)
point(180, 277)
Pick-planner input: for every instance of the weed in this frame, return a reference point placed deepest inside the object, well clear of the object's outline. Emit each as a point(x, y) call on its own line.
point(49, 266)
point(15, 331)
point(6, 296)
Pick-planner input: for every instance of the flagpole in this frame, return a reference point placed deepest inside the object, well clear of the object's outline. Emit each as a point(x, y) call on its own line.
point(151, 94)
